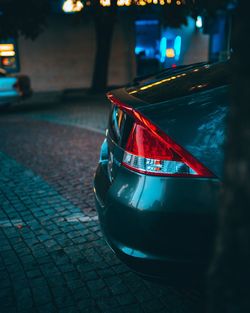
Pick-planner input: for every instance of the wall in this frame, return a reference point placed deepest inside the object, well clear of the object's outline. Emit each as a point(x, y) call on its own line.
point(62, 57)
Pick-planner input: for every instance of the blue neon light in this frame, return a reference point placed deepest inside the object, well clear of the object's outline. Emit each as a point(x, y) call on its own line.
point(146, 22)
point(163, 48)
point(177, 47)
point(139, 49)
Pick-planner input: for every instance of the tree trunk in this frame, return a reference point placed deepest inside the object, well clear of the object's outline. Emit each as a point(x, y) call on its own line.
point(229, 277)
point(104, 20)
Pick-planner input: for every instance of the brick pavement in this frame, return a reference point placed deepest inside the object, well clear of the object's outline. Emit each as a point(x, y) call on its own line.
point(64, 156)
point(76, 109)
point(53, 257)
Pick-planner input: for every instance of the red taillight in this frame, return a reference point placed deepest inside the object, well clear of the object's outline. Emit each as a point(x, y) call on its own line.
point(145, 143)
point(150, 151)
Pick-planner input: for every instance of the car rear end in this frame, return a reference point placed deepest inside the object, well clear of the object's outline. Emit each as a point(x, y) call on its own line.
point(8, 90)
point(24, 86)
point(13, 88)
point(159, 175)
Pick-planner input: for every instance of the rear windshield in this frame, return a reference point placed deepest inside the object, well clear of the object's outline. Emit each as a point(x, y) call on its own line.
point(120, 125)
point(174, 84)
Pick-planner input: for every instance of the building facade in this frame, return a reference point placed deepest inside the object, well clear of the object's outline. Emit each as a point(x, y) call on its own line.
point(62, 57)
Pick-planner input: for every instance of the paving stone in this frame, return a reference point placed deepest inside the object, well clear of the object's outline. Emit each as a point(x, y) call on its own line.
point(9, 309)
point(106, 272)
point(133, 308)
point(116, 285)
point(28, 258)
point(144, 294)
point(112, 310)
point(86, 303)
point(152, 306)
point(48, 308)
point(24, 300)
point(87, 276)
point(64, 300)
point(80, 293)
point(73, 275)
point(49, 269)
point(67, 267)
point(69, 309)
point(126, 298)
point(107, 303)
point(36, 273)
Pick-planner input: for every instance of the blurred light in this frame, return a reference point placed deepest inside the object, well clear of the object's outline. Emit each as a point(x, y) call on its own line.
point(141, 2)
point(173, 65)
point(7, 50)
point(170, 53)
point(165, 80)
point(7, 53)
point(106, 3)
point(69, 6)
point(232, 5)
point(199, 22)
point(177, 47)
point(6, 47)
point(138, 50)
point(146, 22)
point(163, 47)
point(8, 61)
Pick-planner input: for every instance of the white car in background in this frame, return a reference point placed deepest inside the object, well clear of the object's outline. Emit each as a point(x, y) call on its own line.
point(13, 88)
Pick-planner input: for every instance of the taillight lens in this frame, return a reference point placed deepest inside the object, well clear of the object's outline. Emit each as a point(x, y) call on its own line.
point(150, 151)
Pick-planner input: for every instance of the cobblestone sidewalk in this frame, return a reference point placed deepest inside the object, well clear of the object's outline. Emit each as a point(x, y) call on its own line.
point(53, 258)
point(88, 112)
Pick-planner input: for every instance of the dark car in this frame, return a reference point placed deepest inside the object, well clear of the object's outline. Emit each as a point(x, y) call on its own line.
point(160, 171)
point(13, 88)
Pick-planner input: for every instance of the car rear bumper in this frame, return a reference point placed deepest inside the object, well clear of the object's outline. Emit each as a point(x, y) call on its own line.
point(8, 97)
point(153, 221)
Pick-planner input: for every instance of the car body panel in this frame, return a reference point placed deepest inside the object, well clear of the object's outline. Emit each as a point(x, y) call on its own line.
point(7, 92)
point(180, 82)
point(197, 123)
point(155, 226)
point(6, 83)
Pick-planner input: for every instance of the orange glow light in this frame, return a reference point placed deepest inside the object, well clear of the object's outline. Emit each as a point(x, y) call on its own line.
point(6, 47)
point(170, 53)
point(69, 6)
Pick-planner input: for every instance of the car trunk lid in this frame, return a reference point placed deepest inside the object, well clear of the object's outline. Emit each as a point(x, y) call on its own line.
point(193, 119)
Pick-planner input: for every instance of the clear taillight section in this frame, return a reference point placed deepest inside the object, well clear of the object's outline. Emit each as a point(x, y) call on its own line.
point(156, 167)
point(150, 151)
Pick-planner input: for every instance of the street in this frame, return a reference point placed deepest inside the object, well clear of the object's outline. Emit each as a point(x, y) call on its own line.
point(53, 257)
